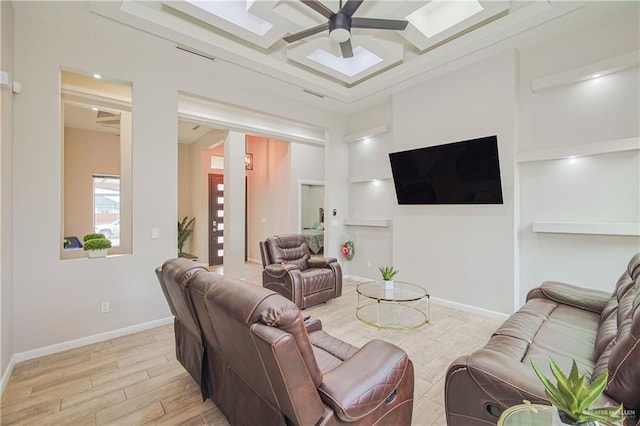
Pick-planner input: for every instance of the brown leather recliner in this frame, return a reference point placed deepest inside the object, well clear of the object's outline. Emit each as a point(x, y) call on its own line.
point(267, 365)
point(600, 330)
point(174, 277)
point(290, 270)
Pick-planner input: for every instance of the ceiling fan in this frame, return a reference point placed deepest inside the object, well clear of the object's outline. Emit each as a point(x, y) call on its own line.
point(340, 24)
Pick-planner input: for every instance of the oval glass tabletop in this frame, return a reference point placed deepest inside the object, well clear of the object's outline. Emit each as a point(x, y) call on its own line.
point(400, 291)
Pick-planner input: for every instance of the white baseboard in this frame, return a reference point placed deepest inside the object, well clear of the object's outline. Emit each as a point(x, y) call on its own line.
point(76, 343)
point(7, 374)
point(349, 278)
point(444, 302)
point(252, 260)
point(469, 308)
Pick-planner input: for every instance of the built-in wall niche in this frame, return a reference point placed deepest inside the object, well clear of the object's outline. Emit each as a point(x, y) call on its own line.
point(96, 161)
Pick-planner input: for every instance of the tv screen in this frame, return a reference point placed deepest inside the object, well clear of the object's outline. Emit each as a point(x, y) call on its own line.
point(466, 172)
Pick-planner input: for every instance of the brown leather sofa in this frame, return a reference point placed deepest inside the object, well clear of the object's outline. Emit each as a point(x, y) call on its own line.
point(262, 363)
point(290, 270)
point(600, 330)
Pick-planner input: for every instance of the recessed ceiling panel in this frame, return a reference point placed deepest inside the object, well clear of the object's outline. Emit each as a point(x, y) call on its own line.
point(252, 21)
point(441, 19)
point(370, 56)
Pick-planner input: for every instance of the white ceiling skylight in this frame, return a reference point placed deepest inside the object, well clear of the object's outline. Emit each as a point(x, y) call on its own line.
point(362, 59)
point(440, 15)
point(236, 13)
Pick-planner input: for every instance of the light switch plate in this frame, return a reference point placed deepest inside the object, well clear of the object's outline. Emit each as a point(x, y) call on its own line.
point(155, 232)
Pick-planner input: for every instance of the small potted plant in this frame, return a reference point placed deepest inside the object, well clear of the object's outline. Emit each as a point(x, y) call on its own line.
point(96, 245)
point(572, 397)
point(388, 272)
point(185, 228)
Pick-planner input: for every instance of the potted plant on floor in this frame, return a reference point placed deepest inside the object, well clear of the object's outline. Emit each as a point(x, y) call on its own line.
point(572, 397)
point(96, 245)
point(388, 272)
point(185, 228)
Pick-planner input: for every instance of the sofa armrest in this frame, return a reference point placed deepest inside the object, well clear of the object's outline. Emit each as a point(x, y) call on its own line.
point(278, 270)
point(365, 381)
point(318, 262)
point(567, 294)
point(312, 324)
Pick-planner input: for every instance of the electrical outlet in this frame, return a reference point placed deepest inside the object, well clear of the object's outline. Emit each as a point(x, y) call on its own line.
point(104, 307)
point(369, 264)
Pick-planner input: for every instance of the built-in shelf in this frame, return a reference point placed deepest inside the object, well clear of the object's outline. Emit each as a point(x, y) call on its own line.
point(596, 148)
point(368, 133)
point(381, 223)
point(363, 179)
point(587, 72)
point(629, 229)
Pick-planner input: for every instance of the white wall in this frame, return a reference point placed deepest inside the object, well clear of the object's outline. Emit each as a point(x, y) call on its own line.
point(462, 253)
point(59, 301)
point(6, 188)
point(85, 153)
point(369, 159)
point(278, 166)
point(602, 188)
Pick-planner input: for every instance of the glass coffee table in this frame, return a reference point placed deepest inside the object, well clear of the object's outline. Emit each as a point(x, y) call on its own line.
point(399, 307)
point(527, 415)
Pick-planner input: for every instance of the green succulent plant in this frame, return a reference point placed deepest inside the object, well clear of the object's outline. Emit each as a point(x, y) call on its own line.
point(387, 272)
point(92, 236)
point(572, 396)
point(96, 244)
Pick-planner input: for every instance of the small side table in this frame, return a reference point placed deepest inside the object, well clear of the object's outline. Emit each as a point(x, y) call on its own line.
point(527, 415)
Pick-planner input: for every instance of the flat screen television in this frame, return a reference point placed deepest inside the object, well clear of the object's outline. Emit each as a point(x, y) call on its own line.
point(466, 172)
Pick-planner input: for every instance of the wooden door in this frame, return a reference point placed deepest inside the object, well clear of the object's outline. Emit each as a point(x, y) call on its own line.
point(216, 219)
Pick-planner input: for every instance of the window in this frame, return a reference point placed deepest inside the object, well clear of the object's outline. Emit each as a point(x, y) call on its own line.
point(96, 162)
point(106, 207)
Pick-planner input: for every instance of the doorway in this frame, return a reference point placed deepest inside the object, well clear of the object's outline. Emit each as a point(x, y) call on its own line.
point(216, 219)
point(311, 214)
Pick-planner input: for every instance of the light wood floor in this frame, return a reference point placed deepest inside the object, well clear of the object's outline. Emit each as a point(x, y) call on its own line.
point(135, 379)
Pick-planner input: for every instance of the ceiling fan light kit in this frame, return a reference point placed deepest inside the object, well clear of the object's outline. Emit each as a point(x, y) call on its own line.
point(340, 24)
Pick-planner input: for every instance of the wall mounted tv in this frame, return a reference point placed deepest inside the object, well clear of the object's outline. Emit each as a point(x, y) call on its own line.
point(466, 172)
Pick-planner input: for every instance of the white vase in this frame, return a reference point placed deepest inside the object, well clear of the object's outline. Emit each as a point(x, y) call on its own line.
point(388, 284)
point(97, 253)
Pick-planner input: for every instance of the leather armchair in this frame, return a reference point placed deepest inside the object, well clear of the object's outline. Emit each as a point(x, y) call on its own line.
point(290, 270)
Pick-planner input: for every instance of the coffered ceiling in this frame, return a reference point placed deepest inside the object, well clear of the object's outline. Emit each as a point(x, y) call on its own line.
point(249, 34)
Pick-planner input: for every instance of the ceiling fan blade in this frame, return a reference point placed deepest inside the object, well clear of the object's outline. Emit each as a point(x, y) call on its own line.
point(379, 24)
point(347, 51)
point(350, 7)
point(306, 33)
point(319, 7)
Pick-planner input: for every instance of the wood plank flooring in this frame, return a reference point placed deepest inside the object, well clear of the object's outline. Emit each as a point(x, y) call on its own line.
point(136, 379)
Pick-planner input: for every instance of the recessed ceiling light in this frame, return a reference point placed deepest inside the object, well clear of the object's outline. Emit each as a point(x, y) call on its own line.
point(596, 75)
point(98, 76)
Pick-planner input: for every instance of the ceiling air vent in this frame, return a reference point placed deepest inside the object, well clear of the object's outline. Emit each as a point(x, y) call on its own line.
point(320, 95)
point(195, 52)
point(104, 118)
